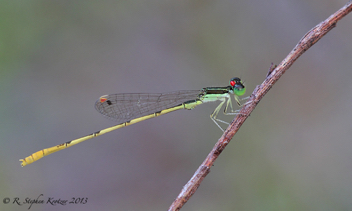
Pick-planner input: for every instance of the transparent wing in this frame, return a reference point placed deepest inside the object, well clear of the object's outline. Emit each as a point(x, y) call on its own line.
point(125, 107)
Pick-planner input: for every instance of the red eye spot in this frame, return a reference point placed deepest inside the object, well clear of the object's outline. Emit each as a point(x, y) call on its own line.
point(233, 83)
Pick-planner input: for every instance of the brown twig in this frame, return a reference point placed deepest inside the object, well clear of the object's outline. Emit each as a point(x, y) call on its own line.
point(308, 40)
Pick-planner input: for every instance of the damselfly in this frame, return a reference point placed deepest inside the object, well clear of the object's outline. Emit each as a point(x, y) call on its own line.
point(129, 109)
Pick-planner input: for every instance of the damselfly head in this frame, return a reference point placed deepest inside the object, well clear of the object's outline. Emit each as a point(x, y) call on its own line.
point(238, 88)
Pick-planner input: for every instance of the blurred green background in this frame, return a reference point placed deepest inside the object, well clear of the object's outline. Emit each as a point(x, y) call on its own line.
point(58, 57)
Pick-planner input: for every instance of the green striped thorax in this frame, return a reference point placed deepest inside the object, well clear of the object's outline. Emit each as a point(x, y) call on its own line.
point(238, 88)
